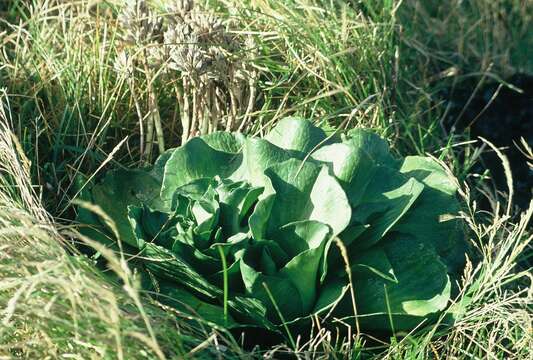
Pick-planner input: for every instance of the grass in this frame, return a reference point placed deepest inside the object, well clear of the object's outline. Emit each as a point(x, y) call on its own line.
point(380, 64)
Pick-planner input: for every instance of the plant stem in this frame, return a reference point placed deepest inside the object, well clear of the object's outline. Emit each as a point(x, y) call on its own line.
point(186, 121)
point(233, 104)
point(206, 113)
point(194, 112)
point(154, 117)
point(226, 284)
point(179, 112)
point(251, 102)
point(131, 83)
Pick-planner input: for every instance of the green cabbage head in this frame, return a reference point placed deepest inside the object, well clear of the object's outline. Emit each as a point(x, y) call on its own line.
point(245, 231)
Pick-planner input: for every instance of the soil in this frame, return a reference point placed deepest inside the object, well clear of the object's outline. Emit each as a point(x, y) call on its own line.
point(502, 118)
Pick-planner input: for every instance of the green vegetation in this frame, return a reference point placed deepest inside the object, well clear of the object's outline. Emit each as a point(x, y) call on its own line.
point(79, 101)
point(271, 209)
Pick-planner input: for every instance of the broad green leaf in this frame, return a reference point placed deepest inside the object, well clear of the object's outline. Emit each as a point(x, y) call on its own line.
point(305, 191)
point(376, 147)
point(191, 255)
point(334, 290)
point(233, 273)
point(329, 202)
point(259, 218)
point(284, 293)
point(123, 188)
point(387, 198)
point(197, 259)
point(256, 251)
point(351, 165)
point(93, 229)
point(296, 134)
point(373, 260)
point(226, 142)
point(195, 190)
point(236, 199)
point(434, 219)
point(158, 170)
point(171, 267)
point(135, 214)
point(297, 237)
point(272, 208)
point(230, 245)
point(353, 231)
point(429, 172)
point(304, 271)
point(196, 160)
point(307, 243)
point(259, 155)
point(206, 212)
point(89, 223)
point(247, 204)
point(250, 311)
point(292, 181)
point(422, 287)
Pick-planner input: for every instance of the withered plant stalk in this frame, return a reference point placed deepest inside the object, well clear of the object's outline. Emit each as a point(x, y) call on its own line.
point(207, 65)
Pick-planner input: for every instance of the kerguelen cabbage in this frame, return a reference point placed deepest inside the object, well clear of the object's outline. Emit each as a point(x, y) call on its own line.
point(263, 216)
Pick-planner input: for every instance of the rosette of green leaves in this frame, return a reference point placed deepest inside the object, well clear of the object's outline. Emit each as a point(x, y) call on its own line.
point(245, 231)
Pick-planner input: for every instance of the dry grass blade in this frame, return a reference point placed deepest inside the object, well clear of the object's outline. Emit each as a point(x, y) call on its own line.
point(54, 303)
point(508, 174)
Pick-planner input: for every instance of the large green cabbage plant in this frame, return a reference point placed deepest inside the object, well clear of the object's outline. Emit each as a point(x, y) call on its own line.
point(247, 231)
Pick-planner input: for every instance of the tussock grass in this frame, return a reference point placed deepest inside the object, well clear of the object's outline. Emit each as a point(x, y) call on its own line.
point(55, 304)
point(59, 61)
point(67, 110)
point(322, 58)
point(462, 38)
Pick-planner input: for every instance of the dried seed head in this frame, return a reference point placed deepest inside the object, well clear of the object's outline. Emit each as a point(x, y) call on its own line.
point(250, 44)
point(185, 54)
point(123, 64)
point(139, 24)
point(213, 60)
point(205, 24)
point(196, 42)
point(155, 56)
point(179, 10)
point(180, 7)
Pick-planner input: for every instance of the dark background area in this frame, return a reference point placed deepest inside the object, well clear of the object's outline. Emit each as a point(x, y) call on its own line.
point(503, 116)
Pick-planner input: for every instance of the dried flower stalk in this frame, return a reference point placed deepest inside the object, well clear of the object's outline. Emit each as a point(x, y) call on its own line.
point(209, 67)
